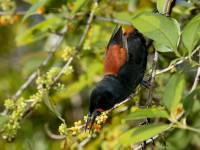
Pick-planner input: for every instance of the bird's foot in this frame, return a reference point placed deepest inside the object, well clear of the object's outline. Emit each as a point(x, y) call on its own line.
point(144, 145)
point(146, 84)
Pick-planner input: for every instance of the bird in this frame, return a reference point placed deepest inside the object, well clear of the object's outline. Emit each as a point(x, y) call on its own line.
point(124, 67)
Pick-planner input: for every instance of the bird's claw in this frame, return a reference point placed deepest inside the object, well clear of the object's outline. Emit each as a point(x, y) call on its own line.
point(146, 84)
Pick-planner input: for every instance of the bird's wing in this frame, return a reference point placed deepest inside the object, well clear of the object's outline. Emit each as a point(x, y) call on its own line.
point(116, 53)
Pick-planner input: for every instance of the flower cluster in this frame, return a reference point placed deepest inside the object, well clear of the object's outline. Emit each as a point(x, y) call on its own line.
point(45, 81)
point(14, 118)
point(99, 121)
point(76, 128)
point(67, 53)
point(63, 129)
point(8, 6)
point(68, 70)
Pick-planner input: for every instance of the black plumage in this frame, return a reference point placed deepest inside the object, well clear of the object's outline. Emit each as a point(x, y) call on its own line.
point(120, 83)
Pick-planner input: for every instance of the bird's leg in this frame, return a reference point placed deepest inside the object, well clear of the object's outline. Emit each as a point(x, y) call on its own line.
point(146, 83)
point(144, 145)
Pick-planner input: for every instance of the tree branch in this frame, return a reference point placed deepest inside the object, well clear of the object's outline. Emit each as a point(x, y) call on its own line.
point(152, 78)
point(113, 20)
point(52, 135)
point(33, 76)
point(196, 81)
point(126, 100)
point(79, 45)
point(170, 67)
point(69, 61)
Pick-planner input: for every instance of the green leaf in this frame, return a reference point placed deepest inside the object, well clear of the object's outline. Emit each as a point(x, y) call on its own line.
point(160, 4)
point(173, 92)
point(147, 113)
point(126, 16)
point(3, 119)
point(77, 5)
point(51, 106)
point(162, 48)
point(188, 101)
point(38, 31)
point(32, 2)
point(190, 36)
point(140, 134)
point(34, 8)
point(163, 30)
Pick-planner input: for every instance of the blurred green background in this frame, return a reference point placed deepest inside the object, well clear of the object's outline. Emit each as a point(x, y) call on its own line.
point(26, 38)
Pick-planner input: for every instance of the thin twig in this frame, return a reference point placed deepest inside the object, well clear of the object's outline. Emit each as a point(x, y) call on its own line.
point(83, 143)
point(52, 135)
point(170, 67)
point(33, 76)
point(157, 73)
point(165, 12)
point(77, 49)
point(152, 78)
point(4, 13)
point(166, 8)
point(63, 70)
point(196, 81)
point(113, 20)
point(89, 21)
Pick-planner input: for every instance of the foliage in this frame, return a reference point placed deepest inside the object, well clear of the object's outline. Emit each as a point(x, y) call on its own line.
point(58, 48)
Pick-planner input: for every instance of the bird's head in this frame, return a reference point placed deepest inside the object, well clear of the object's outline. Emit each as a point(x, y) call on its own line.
point(100, 101)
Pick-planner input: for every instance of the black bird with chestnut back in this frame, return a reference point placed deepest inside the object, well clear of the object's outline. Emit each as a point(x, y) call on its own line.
point(124, 67)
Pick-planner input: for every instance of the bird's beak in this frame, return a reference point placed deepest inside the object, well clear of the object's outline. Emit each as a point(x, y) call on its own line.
point(88, 120)
point(91, 119)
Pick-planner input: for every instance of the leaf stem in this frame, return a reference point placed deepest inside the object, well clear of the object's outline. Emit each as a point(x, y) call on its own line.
point(192, 129)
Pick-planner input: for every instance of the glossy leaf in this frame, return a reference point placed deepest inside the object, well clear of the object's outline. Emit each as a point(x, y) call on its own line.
point(77, 5)
point(38, 31)
point(140, 134)
point(163, 30)
point(173, 92)
point(190, 35)
point(160, 4)
point(162, 48)
point(147, 113)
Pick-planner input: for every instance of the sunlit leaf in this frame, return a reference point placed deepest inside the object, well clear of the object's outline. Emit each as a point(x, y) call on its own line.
point(140, 134)
point(34, 8)
point(126, 16)
point(173, 92)
point(77, 5)
point(190, 35)
point(38, 31)
point(147, 113)
point(160, 4)
point(163, 30)
point(161, 47)
point(31, 1)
